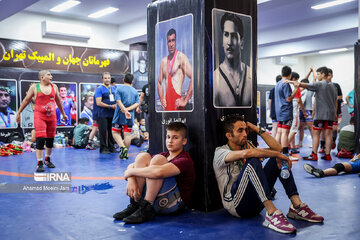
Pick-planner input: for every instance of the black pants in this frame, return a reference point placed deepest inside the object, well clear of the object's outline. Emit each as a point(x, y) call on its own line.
point(106, 139)
point(254, 185)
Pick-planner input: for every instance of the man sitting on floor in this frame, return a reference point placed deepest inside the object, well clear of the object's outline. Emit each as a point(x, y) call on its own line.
point(169, 178)
point(245, 186)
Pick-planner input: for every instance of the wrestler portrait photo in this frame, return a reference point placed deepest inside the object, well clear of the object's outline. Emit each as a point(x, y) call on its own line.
point(139, 68)
point(8, 103)
point(232, 70)
point(174, 61)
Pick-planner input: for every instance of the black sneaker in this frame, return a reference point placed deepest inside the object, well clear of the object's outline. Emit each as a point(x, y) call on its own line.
point(144, 213)
point(131, 208)
point(40, 168)
point(48, 163)
point(313, 170)
point(294, 150)
point(123, 153)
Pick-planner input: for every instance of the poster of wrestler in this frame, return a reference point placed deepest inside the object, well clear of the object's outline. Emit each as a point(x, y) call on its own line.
point(27, 115)
point(232, 70)
point(86, 101)
point(174, 61)
point(8, 103)
point(68, 95)
point(139, 68)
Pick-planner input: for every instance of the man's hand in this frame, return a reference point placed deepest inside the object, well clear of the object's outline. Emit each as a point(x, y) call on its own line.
point(163, 103)
point(132, 189)
point(65, 117)
point(113, 106)
point(281, 157)
point(251, 127)
point(180, 103)
point(127, 174)
point(127, 115)
point(138, 110)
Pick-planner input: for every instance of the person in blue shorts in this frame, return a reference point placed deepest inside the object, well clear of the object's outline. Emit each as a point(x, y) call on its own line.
point(160, 184)
point(352, 166)
point(127, 100)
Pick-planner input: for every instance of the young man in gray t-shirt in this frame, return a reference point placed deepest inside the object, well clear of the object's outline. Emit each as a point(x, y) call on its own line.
point(325, 111)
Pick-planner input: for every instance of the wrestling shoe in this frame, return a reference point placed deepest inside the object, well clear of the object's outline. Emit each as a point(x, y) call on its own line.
point(293, 158)
point(313, 170)
point(89, 146)
point(326, 157)
point(48, 163)
point(294, 150)
point(40, 167)
point(144, 213)
point(278, 222)
point(123, 153)
point(312, 157)
point(131, 208)
point(322, 150)
point(304, 213)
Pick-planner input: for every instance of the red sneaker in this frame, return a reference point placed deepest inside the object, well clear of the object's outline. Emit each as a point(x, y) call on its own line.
point(326, 157)
point(304, 213)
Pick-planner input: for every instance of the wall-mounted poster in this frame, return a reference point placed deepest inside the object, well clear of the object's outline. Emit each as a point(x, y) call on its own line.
point(27, 115)
point(173, 61)
point(68, 95)
point(139, 68)
point(232, 70)
point(86, 102)
point(8, 103)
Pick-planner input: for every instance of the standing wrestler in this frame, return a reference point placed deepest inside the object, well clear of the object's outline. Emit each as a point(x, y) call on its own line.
point(46, 95)
point(173, 69)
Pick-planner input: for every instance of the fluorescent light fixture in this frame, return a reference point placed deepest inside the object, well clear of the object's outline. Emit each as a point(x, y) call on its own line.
point(330, 4)
point(262, 1)
point(333, 50)
point(103, 12)
point(64, 6)
point(60, 30)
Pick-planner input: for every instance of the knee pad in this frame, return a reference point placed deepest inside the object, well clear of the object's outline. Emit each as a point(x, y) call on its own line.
point(49, 142)
point(40, 142)
point(339, 167)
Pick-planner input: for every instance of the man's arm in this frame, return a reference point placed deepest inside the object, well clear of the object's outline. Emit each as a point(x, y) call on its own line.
point(142, 96)
point(132, 107)
point(104, 105)
point(293, 94)
point(123, 109)
point(187, 68)
point(30, 94)
point(153, 171)
point(269, 140)
point(302, 107)
point(59, 103)
point(159, 86)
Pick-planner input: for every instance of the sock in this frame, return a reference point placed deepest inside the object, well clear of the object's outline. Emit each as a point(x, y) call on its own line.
point(47, 158)
point(334, 139)
point(90, 141)
point(40, 161)
point(285, 150)
point(313, 153)
point(322, 144)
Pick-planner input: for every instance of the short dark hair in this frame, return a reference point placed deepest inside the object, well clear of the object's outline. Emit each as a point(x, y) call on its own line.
point(62, 86)
point(286, 71)
point(5, 89)
point(128, 78)
point(305, 80)
point(330, 71)
point(141, 58)
point(230, 120)
point(352, 120)
point(178, 127)
point(83, 120)
point(113, 80)
point(278, 78)
point(323, 70)
point(170, 32)
point(235, 19)
point(294, 75)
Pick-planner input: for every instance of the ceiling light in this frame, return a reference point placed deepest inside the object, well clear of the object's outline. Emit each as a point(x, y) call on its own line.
point(333, 50)
point(64, 6)
point(262, 1)
point(330, 4)
point(103, 12)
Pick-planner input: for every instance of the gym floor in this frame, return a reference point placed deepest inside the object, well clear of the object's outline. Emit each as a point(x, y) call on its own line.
point(98, 191)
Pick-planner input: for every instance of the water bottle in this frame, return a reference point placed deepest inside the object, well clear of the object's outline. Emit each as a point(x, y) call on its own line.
point(284, 174)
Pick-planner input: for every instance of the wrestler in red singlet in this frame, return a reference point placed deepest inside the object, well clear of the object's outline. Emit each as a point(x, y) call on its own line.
point(45, 113)
point(171, 94)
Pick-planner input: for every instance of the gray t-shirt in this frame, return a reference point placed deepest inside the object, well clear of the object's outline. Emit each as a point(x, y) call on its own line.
point(306, 97)
point(325, 100)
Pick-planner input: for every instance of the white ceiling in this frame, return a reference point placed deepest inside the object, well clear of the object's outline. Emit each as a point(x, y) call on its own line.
point(285, 27)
